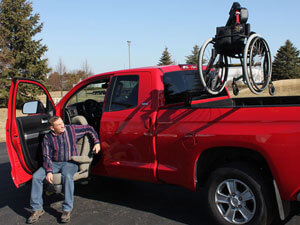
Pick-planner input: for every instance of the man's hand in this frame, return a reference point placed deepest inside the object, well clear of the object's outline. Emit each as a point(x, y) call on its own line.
point(96, 148)
point(49, 177)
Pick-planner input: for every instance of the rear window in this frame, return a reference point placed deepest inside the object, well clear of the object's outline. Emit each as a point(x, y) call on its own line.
point(181, 85)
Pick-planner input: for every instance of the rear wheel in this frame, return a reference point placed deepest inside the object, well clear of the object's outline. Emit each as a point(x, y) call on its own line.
point(212, 67)
point(237, 195)
point(257, 64)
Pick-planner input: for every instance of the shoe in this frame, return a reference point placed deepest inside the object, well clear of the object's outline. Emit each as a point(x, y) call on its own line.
point(66, 216)
point(35, 216)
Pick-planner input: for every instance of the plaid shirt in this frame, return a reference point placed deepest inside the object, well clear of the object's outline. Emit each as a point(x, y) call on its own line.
point(60, 148)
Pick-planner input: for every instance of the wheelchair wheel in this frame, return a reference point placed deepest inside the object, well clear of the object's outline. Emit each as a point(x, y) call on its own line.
point(212, 67)
point(257, 64)
point(235, 89)
point(272, 89)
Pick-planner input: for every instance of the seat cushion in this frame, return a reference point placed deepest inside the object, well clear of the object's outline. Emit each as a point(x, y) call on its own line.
point(81, 159)
point(78, 175)
point(57, 178)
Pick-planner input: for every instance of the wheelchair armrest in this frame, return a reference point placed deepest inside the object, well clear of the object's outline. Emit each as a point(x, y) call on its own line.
point(81, 159)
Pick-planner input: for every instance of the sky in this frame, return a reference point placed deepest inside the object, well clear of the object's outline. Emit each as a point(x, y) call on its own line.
point(97, 31)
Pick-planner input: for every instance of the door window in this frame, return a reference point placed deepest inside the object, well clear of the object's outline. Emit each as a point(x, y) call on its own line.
point(28, 92)
point(95, 91)
point(123, 93)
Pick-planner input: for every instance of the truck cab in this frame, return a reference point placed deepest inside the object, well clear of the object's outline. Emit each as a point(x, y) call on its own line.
point(121, 106)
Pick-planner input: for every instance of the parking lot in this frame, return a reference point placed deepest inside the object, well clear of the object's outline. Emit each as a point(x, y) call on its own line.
point(109, 201)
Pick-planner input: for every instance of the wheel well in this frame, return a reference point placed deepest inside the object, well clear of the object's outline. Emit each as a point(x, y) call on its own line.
point(213, 158)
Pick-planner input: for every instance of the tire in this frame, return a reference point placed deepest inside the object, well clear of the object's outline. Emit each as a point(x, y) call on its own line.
point(212, 68)
point(257, 64)
point(238, 195)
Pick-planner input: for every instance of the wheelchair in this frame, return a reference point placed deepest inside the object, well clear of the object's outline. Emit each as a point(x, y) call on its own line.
point(235, 42)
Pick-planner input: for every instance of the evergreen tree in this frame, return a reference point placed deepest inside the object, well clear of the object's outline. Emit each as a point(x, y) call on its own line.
point(193, 58)
point(286, 64)
point(22, 55)
point(165, 59)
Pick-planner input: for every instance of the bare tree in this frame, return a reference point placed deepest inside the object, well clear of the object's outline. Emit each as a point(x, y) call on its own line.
point(86, 68)
point(61, 70)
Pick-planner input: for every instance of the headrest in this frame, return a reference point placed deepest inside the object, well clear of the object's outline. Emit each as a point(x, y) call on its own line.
point(79, 120)
point(243, 15)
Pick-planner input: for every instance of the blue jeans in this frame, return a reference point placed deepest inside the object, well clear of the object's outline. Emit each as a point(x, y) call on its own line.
point(67, 171)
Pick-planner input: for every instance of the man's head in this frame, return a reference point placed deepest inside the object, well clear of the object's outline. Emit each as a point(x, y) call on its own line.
point(57, 125)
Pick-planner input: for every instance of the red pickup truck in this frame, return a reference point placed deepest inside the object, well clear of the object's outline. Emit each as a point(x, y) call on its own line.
point(157, 124)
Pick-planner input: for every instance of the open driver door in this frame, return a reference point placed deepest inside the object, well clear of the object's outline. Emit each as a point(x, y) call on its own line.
point(29, 108)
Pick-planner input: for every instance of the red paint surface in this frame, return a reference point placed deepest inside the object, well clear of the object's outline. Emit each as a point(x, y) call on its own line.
point(152, 142)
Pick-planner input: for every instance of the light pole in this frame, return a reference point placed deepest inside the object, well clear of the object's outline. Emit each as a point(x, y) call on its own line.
point(129, 42)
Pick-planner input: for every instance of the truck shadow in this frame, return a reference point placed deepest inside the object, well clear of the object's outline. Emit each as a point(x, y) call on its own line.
point(18, 199)
point(166, 201)
point(10, 195)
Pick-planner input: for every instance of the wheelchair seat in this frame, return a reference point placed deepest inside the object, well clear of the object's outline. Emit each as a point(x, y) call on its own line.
point(83, 159)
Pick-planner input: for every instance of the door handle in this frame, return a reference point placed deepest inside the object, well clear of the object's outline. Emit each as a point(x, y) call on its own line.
point(44, 121)
point(148, 123)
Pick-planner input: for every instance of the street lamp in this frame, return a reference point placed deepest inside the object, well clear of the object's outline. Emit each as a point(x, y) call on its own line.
point(129, 42)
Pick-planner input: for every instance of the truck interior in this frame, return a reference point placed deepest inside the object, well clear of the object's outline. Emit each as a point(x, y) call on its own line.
point(87, 102)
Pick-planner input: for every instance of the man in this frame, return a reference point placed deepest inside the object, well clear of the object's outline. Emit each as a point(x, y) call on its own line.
point(59, 145)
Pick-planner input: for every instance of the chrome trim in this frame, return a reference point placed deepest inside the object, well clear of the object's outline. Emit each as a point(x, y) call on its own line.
point(35, 135)
point(235, 201)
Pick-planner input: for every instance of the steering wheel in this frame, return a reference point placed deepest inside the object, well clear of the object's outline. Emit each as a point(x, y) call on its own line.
point(91, 107)
point(67, 116)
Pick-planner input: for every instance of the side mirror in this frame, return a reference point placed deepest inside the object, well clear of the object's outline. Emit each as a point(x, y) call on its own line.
point(33, 107)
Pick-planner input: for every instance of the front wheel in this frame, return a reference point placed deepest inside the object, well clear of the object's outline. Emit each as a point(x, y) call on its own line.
point(237, 195)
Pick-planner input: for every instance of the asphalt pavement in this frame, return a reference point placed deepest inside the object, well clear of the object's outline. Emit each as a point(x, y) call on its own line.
point(110, 202)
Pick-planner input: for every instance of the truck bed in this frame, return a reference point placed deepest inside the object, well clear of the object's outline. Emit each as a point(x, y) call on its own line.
point(280, 101)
